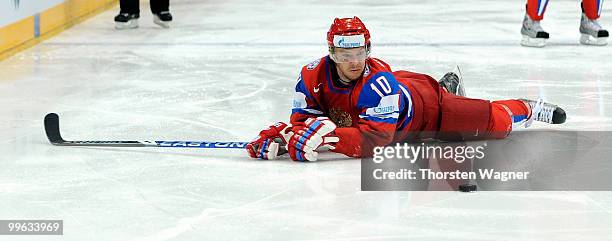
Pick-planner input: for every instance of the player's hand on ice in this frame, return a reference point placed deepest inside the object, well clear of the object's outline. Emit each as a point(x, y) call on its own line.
point(317, 132)
point(271, 142)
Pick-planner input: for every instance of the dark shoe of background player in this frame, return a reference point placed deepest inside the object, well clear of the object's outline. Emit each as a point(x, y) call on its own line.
point(162, 19)
point(126, 21)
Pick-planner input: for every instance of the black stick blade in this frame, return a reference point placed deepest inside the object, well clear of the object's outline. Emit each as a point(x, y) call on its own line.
point(52, 128)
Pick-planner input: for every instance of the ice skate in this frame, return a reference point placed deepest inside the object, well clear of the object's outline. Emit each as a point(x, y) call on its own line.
point(162, 19)
point(453, 83)
point(533, 34)
point(591, 33)
point(544, 112)
point(126, 21)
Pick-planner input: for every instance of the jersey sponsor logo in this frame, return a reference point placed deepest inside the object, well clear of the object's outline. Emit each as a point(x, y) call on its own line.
point(388, 107)
point(384, 109)
point(351, 41)
point(316, 89)
point(313, 64)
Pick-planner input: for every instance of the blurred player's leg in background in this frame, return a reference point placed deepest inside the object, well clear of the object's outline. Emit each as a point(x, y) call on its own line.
point(128, 15)
point(533, 34)
point(161, 12)
point(591, 32)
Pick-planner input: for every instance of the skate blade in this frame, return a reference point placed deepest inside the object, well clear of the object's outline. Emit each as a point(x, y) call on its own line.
point(533, 42)
point(127, 25)
point(159, 22)
point(590, 40)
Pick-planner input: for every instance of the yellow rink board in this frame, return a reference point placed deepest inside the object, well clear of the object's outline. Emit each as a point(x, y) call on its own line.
point(16, 33)
point(28, 32)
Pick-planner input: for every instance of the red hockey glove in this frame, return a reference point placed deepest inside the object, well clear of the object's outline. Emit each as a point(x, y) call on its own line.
point(271, 142)
point(317, 132)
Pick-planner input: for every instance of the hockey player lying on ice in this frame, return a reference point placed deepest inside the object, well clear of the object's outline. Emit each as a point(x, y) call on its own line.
point(352, 102)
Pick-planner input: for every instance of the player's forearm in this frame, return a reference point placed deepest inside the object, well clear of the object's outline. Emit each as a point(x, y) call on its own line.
point(359, 142)
point(350, 141)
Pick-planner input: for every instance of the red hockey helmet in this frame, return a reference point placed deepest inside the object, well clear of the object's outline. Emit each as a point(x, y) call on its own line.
point(348, 33)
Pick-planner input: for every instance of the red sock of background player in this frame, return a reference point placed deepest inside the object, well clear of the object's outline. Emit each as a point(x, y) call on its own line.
point(591, 8)
point(536, 9)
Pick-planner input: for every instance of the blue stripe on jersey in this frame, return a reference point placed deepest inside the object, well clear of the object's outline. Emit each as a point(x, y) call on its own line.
point(301, 87)
point(312, 109)
point(381, 120)
point(518, 118)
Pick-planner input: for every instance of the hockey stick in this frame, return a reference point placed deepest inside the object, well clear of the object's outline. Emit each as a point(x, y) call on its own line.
point(54, 136)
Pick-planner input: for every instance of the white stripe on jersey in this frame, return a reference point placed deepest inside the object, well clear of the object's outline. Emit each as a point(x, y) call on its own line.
point(409, 104)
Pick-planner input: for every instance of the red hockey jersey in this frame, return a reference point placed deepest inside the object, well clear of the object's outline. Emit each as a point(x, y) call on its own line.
point(368, 112)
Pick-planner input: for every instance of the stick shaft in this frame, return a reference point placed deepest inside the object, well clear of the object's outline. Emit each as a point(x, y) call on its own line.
point(54, 136)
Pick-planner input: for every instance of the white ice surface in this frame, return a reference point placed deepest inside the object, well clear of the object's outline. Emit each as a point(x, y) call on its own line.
point(224, 70)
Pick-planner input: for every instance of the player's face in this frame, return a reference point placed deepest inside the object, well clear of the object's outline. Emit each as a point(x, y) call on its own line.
point(350, 62)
